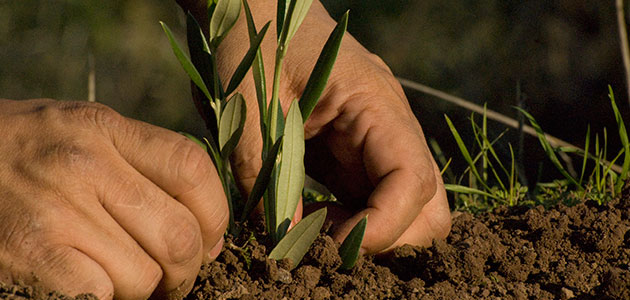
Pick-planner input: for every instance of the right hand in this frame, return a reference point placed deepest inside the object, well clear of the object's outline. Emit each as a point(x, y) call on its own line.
point(91, 201)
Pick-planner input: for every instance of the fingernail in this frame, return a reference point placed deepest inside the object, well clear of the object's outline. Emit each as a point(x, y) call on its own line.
point(362, 251)
point(216, 250)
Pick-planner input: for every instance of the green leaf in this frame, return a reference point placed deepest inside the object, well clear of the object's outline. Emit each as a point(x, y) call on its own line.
point(623, 135)
point(321, 72)
point(262, 180)
point(295, 15)
point(464, 151)
point(467, 190)
point(297, 241)
point(200, 57)
point(195, 139)
point(223, 19)
point(280, 15)
point(185, 62)
point(258, 71)
point(349, 250)
point(280, 121)
point(247, 61)
point(291, 178)
point(232, 122)
point(551, 153)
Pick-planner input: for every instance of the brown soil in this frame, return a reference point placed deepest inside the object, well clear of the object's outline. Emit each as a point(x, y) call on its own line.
point(579, 252)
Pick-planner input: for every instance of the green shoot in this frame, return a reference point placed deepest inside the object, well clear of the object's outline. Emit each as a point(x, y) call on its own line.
point(280, 181)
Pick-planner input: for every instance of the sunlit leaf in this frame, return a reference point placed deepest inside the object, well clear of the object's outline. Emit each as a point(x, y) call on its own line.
point(467, 190)
point(319, 77)
point(349, 250)
point(258, 71)
point(246, 62)
point(295, 15)
point(297, 241)
point(232, 122)
point(223, 19)
point(551, 154)
point(291, 177)
point(623, 136)
point(464, 151)
point(185, 62)
point(262, 180)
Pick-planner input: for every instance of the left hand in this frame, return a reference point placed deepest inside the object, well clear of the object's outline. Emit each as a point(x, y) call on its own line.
point(363, 141)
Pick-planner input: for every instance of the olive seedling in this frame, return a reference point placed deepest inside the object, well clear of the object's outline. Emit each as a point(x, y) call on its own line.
point(280, 180)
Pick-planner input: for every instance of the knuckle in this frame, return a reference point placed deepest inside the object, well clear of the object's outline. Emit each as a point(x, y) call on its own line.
point(98, 114)
point(190, 163)
point(183, 239)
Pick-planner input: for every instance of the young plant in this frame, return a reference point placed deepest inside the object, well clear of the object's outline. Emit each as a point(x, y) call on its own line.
point(483, 191)
point(281, 179)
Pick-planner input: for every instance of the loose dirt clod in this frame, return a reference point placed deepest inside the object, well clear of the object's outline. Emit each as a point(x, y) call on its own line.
point(579, 252)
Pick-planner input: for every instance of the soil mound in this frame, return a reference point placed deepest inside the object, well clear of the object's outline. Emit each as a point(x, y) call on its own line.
point(579, 252)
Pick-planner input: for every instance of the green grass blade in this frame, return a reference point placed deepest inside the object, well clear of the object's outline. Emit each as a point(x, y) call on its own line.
point(456, 188)
point(185, 62)
point(321, 72)
point(551, 154)
point(258, 71)
point(262, 180)
point(585, 158)
point(292, 173)
point(247, 61)
point(232, 122)
point(223, 19)
point(623, 135)
point(349, 249)
point(297, 241)
point(464, 151)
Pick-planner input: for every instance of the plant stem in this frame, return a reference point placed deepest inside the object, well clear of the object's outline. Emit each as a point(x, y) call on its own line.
point(623, 36)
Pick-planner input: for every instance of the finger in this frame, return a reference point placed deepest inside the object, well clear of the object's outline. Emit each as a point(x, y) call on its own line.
point(434, 221)
point(164, 227)
point(396, 165)
point(175, 164)
point(73, 273)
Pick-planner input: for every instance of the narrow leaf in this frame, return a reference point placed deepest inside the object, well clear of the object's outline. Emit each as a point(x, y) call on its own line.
point(185, 62)
point(551, 154)
point(349, 250)
point(232, 122)
point(246, 63)
point(623, 135)
point(464, 151)
point(280, 121)
point(321, 72)
point(258, 71)
point(223, 19)
point(280, 15)
point(291, 177)
point(262, 180)
point(195, 139)
point(467, 190)
point(294, 19)
point(297, 241)
point(200, 57)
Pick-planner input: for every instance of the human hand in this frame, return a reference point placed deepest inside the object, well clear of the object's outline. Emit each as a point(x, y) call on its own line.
point(91, 201)
point(364, 143)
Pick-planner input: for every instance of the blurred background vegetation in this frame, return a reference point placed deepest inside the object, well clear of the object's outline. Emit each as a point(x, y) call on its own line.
point(563, 53)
